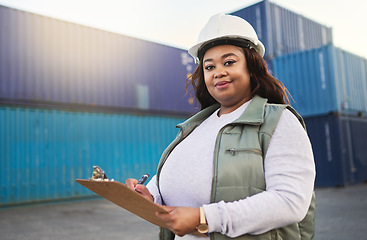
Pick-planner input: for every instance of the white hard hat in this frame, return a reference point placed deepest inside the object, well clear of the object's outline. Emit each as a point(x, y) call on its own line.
point(230, 29)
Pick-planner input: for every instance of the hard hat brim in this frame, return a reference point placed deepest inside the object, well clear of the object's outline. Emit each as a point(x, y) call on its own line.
point(254, 43)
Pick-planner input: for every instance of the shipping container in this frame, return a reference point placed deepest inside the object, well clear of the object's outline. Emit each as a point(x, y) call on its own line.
point(339, 147)
point(46, 60)
point(283, 31)
point(324, 80)
point(42, 152)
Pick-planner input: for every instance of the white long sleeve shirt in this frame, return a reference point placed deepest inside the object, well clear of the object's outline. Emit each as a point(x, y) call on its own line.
point(186, 178)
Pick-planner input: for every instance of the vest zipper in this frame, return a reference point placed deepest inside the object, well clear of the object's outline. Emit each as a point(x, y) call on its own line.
point(233, 151)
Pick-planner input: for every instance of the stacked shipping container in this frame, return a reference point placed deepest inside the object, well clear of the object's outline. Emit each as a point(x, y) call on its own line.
point(283, 31)
point(55, 66)
point(49, 61)
point(338, 144)
point(329, 88)
point(322, 80)
point(42, 151)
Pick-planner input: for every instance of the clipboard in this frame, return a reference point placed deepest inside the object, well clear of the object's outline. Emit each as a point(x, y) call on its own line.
point(121, 195)
point(132, 201)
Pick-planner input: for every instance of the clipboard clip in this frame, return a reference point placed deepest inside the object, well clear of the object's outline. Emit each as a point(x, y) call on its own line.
point(99, 174)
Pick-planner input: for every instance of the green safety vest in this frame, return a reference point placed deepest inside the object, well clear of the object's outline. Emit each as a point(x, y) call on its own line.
point(238, 170)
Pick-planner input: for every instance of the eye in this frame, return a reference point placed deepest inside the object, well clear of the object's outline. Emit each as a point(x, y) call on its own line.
point(229, 62)
point(209, 67)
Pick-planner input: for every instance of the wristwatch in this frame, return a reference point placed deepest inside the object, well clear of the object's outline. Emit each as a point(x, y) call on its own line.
point(203, 226)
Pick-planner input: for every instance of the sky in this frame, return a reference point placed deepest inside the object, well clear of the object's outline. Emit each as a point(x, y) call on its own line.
point(178, 23)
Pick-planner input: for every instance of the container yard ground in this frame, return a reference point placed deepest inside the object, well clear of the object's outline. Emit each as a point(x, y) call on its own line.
point(341, 215)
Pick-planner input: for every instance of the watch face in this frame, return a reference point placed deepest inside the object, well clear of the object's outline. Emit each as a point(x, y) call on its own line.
point(203, 228)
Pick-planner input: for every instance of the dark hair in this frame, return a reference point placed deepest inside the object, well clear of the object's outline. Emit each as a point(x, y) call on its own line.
point(262, 82)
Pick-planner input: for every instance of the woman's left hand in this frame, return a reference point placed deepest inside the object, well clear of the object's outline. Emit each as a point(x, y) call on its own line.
point(180, 220)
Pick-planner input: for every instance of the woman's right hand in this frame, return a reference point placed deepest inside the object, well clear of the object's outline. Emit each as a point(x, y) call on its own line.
point(140, 188)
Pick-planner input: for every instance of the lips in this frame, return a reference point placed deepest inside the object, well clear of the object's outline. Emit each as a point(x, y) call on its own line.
point(222, 84)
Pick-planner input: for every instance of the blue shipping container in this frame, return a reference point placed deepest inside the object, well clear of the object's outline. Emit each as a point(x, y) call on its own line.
point(48, 60)
point(323, 80)
point(283, 31)
point(339, 148)
point(42, 152)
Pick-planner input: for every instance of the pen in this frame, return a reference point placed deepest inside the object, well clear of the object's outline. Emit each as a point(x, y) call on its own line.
point(142, 179)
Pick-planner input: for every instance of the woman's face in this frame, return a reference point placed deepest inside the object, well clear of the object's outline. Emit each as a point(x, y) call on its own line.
point(226, 76)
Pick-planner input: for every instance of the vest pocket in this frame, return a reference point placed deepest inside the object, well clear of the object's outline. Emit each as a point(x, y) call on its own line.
point(234, 151)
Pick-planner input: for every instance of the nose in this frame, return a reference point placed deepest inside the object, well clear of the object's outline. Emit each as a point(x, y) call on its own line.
point(220, 73)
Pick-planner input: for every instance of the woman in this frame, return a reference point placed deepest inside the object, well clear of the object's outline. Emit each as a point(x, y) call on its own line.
point(243, 166)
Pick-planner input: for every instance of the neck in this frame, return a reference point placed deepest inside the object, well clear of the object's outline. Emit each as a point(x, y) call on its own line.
point(225, 109)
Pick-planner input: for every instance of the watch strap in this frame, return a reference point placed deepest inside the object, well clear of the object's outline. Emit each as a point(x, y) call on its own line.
point(202, 216)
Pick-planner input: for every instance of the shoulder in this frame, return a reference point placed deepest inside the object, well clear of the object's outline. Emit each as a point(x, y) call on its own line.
point(282, 119)
point(290, 125)
point(290, 117)
point(289, 137)
point(283, 112)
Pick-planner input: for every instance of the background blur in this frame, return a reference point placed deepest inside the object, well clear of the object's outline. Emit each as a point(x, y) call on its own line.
point(178, 23)
point(84, 84)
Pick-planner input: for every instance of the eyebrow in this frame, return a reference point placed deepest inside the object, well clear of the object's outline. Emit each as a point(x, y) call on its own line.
point(224, 56)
